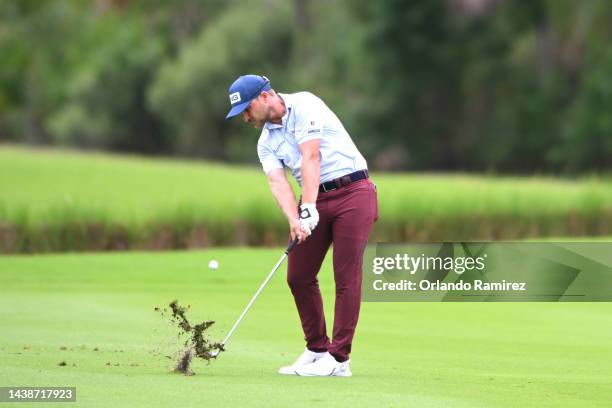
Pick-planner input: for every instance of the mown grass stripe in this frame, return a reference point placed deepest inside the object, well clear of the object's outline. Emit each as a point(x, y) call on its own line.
point(61, 200)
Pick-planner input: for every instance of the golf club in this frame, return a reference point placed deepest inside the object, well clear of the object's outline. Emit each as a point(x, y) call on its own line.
point(292, 245)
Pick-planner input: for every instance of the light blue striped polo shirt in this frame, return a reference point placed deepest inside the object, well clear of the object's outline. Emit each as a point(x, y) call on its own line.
point(308, 118)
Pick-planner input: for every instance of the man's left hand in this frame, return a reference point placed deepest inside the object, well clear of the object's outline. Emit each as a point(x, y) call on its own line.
point(309, 217)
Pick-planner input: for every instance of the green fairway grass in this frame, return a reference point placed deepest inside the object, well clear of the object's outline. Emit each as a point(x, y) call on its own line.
point(56, 308)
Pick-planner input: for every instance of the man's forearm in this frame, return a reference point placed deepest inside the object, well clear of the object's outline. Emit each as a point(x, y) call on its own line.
point(311, 173)
point(285, 198)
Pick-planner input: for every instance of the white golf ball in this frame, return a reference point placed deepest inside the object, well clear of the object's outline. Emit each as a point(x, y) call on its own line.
point(213, 265)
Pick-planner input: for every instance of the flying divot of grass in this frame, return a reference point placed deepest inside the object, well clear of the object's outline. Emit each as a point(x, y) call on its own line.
point(195, 344)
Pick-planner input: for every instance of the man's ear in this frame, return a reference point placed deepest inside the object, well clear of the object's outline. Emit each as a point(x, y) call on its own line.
point(265, 95)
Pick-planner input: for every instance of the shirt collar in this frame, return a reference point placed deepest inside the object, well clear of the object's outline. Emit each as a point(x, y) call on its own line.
point(288, 105)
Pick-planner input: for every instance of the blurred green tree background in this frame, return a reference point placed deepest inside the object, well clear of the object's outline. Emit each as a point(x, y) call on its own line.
point(471, 85)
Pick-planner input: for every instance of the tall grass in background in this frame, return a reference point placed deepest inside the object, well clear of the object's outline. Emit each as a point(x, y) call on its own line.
point(54, 200)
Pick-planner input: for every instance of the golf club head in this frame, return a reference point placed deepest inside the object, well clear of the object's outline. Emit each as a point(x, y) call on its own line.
point(215, 353)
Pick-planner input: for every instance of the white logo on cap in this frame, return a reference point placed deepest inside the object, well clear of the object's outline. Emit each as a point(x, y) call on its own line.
point(235, 97)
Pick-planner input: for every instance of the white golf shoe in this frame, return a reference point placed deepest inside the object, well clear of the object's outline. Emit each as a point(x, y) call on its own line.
point(325, 367)
point(307, 357)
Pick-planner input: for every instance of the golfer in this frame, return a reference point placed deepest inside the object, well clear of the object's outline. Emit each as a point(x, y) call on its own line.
point(338, 205)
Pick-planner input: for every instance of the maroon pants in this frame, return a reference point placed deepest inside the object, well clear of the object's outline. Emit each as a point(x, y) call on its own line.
point(346, 216)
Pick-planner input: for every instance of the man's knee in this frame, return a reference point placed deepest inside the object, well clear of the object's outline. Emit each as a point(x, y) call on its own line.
point(300, 281)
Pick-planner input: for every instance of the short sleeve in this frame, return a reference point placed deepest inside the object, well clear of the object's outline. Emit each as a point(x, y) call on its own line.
point(309, 120)
point(268, 159)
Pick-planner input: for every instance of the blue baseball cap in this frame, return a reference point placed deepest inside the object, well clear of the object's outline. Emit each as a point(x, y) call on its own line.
point(244, 90)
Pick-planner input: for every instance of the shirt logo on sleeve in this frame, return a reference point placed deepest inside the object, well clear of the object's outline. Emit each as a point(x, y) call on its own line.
point(312, 128)
point(234, 98)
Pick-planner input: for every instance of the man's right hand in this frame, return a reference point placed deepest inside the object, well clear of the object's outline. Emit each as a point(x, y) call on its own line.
point(296, 230)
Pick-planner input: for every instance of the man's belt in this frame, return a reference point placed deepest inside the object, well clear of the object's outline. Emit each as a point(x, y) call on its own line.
point(343, 181)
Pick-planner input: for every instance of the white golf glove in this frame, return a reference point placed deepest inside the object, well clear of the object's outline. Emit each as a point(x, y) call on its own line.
point(309, 217)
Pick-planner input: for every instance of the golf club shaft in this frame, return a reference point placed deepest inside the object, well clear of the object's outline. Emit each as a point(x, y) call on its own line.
point(263, 285)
